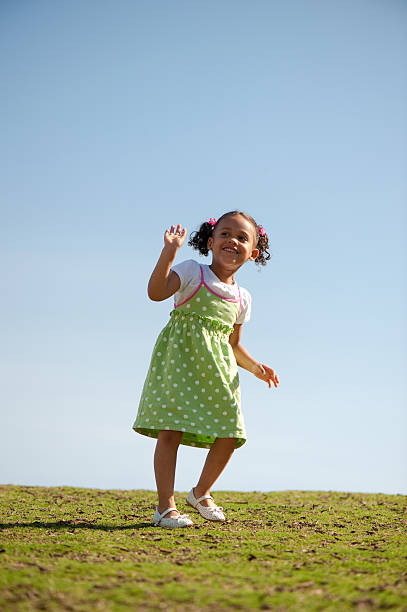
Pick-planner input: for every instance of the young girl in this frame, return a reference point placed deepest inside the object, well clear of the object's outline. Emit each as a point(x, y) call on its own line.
point(191, 394)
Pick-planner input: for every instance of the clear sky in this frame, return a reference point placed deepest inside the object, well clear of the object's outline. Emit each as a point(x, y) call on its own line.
point(120, 118)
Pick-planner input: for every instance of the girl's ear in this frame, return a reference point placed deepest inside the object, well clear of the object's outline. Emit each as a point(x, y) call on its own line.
point(254, 254)
point(209, 243)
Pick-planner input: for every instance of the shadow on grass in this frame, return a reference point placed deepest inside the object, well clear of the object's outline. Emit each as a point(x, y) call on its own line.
point(56, 525)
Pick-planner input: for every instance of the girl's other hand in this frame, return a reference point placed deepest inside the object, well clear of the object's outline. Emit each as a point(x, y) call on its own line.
point(267, 374)
point(174, 238)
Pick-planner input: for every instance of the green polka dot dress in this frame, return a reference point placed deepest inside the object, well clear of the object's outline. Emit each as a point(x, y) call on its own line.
point(192, 384)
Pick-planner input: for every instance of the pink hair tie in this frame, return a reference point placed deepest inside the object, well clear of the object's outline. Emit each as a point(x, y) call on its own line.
point(212, 221)
point(262, 231)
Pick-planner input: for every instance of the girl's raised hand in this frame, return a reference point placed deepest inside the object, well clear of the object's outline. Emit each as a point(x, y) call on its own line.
point(174, 238)
point(267, 374)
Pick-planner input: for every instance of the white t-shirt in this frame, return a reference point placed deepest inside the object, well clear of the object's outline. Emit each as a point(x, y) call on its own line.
point(189, 272)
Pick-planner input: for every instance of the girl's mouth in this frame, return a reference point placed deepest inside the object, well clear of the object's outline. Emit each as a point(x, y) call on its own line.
point(229, 250)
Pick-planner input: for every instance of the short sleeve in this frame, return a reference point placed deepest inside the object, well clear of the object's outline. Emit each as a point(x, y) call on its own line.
point(245, 312)
point(189, 273)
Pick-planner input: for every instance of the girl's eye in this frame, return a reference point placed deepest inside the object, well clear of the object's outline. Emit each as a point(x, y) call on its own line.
point(243, 238)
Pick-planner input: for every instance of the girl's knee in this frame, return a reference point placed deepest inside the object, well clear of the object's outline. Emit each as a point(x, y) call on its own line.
point(169, 437)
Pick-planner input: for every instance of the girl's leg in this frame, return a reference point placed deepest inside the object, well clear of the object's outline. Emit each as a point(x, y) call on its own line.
point(165, 459)
point(216, 460)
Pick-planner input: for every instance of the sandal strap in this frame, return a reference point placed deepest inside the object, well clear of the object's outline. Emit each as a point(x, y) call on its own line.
point(204, 497)
point(164, 514)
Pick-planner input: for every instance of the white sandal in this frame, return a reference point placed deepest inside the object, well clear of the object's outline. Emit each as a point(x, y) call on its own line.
point(213, 513)
point(171, 522)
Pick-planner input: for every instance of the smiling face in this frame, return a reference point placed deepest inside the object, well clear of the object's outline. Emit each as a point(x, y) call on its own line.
point(233, 242)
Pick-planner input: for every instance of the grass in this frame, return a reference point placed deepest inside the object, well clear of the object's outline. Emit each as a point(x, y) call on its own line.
point(65, 548)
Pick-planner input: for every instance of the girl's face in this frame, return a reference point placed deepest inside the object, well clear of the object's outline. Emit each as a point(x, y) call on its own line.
point(233, 241)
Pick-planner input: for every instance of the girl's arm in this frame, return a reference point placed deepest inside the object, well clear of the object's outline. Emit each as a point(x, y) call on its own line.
point(163, 283)
point(246, 361)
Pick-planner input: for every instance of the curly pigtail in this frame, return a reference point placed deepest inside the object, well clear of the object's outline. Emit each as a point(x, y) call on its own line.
point(262, 245)
point(199, 240)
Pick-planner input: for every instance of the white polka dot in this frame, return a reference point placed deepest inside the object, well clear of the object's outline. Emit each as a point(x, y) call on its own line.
point(188, 388)
point(231, 435)
point(217, 374)
point(158, 377)
point(210, 382)
point(159, 354)
point(193, 327)
point(192, 358)
point(185, 416)
point(154, 368)
point(161, 420)
point(216, 420)
point(204, 308)
point(169, 376)
point(154, 391)
point(195, 397)
point(201, 418)
point(209, 397)
point(199, 431)
point(154, 412)
point(166, 427)
point(170, 414)
point(231, 420)
point(192, 424)
point(163, 384)
point(172, 361)
point(163, 405)
point(223, 427)
point(149, 384)
point(175, 385)
point(208, 427)
point(179, 407)
point(208, 294)
point(201, 405)
point(189, 373)
point(198, 299)
point(163, 363)
point(209, 412)
point(203, 374)
point(209, 366)
point(215, 434)
point(172, 399)
point(187, 403)
point(186, 349)
point(181, 393)
point(224, 397)
point(183, 429)
point(165, 338)
point(150, 405)
point(176, 421)
point(203, 390)
point(175, 345)
point(193, 410)
point(216, 390)
point(188, 305)
point(158, 399)
point(197, 382)
point(167, 393)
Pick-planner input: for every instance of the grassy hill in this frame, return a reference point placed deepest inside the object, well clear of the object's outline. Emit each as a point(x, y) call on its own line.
point(65, 548)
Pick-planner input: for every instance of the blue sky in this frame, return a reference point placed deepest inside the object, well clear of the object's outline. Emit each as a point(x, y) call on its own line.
point(120, 118)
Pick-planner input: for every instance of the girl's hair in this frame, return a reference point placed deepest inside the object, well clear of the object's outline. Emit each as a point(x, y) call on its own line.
point(199, 240)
